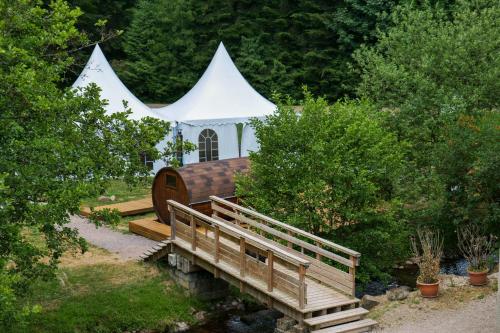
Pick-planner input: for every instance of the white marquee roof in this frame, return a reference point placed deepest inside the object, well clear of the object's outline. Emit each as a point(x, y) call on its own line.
point(221, 95)
point(99, 71)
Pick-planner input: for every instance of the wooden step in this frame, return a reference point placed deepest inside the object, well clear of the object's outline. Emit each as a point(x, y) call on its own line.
point(336, 318)
point(359, 326)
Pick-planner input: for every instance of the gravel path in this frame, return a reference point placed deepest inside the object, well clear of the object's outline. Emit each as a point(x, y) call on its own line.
point(479, 316)
point(128, 247)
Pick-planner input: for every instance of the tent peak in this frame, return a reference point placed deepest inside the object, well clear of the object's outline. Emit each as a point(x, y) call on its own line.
point(99, 71)
point(221, 93)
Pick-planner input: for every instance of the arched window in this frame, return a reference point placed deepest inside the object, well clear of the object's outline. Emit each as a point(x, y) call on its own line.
point(208, 146)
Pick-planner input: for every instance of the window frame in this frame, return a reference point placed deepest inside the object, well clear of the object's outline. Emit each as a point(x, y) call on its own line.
point(208, 138)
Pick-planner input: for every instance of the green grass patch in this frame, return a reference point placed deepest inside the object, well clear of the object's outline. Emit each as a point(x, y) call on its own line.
point(122, 192)
point(108, 298)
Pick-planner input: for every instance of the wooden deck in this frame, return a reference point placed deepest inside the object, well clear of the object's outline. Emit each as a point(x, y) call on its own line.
point(127, 208)
point(150, 228)
point(282, 266)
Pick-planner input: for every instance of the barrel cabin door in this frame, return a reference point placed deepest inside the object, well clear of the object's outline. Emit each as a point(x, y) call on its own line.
point(168, 186)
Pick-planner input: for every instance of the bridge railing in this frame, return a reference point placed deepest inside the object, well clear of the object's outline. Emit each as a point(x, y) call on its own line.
point(338, 271)
point(248, 258)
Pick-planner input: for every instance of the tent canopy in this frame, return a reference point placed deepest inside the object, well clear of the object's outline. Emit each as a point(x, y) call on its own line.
point(221, 94)
point(99, 71)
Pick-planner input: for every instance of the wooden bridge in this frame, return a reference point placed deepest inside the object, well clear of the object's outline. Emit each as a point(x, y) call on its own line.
point(301, 275)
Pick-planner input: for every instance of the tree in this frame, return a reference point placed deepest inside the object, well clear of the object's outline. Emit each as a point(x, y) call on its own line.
point(277, 45)
point(331, 170)
point(435, 72)
point(58, 146)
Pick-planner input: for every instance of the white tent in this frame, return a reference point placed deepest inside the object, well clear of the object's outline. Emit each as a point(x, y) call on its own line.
point(220, 100)
point(99, 71)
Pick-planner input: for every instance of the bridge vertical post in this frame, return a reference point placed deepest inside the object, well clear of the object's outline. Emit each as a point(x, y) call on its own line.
point(172, 222)
point(193, 233)
point(318, 256)
point(289, 244)
point(243, 261)
point(302, 286)
point(270, 264)
point(216, 243)
point(352, 272)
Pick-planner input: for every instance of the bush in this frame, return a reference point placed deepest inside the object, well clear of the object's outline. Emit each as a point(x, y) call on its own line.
point(331, 170)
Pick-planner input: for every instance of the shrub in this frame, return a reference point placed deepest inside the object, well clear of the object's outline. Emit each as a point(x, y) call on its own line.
point(331, 170)
point(475, 247)
point(427, 251)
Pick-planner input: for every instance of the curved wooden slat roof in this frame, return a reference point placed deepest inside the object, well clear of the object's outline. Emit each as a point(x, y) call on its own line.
point(212, 178)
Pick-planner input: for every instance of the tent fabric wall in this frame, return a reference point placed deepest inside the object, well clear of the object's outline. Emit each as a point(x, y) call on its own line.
point(249, 141)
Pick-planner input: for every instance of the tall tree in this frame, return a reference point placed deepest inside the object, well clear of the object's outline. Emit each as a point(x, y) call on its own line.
point(278, 45)
point(57, 146)
point(436, 73)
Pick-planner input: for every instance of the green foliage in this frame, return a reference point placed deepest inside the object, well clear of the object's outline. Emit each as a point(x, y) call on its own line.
point(278, 46)
point(435, 72)
point(331, 170)
point(58, 146)
point(108, 298)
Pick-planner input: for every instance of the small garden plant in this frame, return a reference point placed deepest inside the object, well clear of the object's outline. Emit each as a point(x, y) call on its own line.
point(476, 247)
point(427, 249)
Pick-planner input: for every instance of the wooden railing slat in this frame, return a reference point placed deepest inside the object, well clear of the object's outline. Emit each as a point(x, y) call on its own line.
point(237, 233)
point(295, 230)
point(284, 236)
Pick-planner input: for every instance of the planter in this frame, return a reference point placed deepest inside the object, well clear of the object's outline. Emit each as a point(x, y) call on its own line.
point(478, 278)
point(428, 290)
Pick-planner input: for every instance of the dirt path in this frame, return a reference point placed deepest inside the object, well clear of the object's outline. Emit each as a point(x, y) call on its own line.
point(478, 316)
point(128, 247)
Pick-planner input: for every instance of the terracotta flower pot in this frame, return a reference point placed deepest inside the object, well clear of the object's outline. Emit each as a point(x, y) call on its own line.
point(428, 290)
point(478, 278)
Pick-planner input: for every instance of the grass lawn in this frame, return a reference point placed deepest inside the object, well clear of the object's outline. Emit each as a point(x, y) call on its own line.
point(122, 191)
point(95, 292)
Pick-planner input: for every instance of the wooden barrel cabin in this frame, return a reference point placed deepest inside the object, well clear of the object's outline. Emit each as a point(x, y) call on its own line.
point(193, 184)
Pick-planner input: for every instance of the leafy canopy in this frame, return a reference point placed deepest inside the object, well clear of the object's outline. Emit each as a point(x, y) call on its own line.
point(435, 72)
point(277, 46)
point(331, 170)
point(57, 146)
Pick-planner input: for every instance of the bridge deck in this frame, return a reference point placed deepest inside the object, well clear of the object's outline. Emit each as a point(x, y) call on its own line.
point(127, 208)
point(283, 266)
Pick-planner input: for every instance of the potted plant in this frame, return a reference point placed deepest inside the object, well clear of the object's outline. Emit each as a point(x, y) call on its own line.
point(427, 249)
point(476, 248)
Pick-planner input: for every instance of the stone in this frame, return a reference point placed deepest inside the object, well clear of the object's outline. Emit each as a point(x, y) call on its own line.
point(112, 198)
point(398, 294)
point(368, 302)
point(285, 324)
point(103, 198)
point(200, 315)
point(299, 329)
point(181, 327)
point(172, 259)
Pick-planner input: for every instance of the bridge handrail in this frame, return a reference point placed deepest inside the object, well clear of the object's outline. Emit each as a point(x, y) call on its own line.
point(256, 241)
point(290, 228)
